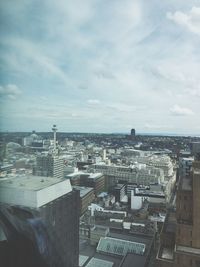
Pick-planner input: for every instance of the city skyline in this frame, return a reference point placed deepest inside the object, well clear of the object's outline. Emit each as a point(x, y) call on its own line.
point(99, 66)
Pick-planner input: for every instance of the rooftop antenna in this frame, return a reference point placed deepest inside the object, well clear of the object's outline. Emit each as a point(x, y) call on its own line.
point(54, 129)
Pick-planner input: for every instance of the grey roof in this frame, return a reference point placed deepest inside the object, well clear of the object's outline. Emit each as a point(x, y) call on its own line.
point(119, 247)
point(138, 260)
point(82, 260)
point(29, 182)
point(94, 262)
point(83, 190)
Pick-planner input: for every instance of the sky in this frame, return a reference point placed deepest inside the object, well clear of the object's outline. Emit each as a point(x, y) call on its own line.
point(100, 66)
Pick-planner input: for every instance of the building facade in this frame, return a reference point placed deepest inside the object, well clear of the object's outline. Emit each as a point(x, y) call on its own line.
point(43, 212)
point(182, 248)
point(49, 166)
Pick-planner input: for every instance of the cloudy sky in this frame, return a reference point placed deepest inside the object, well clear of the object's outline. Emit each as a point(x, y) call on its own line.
point(100, 65)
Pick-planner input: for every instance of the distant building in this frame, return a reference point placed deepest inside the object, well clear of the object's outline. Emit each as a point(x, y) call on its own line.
point(115, 174)
point(40, 217)
point(133, 132)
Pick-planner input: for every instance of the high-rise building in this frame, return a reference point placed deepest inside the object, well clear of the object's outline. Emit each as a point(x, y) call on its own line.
point(180, 240)
point(49, 165)
point(40, 219)
point(133, 132)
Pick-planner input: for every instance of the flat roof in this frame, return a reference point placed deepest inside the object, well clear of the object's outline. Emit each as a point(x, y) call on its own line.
point(119, 247)
point(90, 251)
point(82, 260)
point(133, 260)
point(74, 174)
point(188, 249)
point(29, 182)
point(95, 262)
point(95, 175)
point(83, 190)
point(32, 191)
point(167, 253)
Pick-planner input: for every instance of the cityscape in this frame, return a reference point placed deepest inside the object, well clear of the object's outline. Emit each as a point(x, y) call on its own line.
point(99, 133)
point(82, 200)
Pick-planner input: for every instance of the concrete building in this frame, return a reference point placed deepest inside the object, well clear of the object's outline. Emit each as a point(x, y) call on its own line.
point(86, 197)
point(40, 219)
point(136, 201)
point(182, 247)
point(49, 166)
point(117, 174)
point(119, 192)
point(94, 180)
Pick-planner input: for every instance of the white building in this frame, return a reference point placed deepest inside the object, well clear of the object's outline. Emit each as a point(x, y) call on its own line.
point(32, 191)
point(136, 201)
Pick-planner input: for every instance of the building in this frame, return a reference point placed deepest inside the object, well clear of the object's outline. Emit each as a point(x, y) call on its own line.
point(119, 192)
point(182, 247)
point(136, 201)
point(94, 180)
point(195, 148)
point(132, 132)
point(132, 174)
point(86, 197)
point(116, 250)
point(40, 219)
point(185, 165)
point(49, 166)
point(96, 232)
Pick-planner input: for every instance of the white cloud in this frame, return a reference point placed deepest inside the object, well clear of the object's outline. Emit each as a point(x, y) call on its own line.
point(190, 20)
point(11, 91)
point(93, 101)
point(181, 111)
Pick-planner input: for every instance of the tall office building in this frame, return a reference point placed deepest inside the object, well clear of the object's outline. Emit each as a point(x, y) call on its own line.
point(49, 165)
point(133, 132)
point(180, 242)
point(40, 219)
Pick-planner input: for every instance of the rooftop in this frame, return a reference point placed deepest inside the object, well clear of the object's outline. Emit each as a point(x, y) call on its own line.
point(32, 191)
point(95, 175)
point(119, 247)
point(188, 250)
point(83, 190)
point(94, 262)
point(82, 260)
point(30, 182)
point(139, 261)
